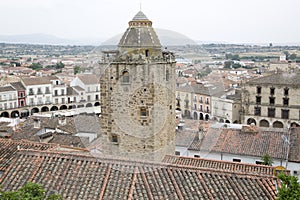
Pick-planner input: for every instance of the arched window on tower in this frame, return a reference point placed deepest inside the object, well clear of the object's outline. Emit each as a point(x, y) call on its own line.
point(125, 76)
point(147, 53)
point(167, 75)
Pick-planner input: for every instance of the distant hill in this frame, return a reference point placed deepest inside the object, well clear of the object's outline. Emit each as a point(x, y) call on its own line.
point(166, 37)
point(40, 38)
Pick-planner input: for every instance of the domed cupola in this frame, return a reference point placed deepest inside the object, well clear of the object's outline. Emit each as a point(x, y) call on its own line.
point(140, 35)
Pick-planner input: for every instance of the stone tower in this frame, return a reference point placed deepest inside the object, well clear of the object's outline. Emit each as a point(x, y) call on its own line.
point(137, 88)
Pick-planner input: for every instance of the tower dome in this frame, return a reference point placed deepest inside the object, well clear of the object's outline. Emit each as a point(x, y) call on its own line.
point(139, 35)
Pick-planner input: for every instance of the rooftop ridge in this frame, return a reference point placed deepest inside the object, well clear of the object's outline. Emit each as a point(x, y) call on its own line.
point(133, 163)
point(269, 170)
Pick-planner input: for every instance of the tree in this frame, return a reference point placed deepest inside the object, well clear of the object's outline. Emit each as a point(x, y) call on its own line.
point(36, 66)
point(59, 65)
point(76, 69)
point(30, 191)
point(290, 188)
point(293, 56)
point(236, 65)
point(227, 64)
point(267, 160)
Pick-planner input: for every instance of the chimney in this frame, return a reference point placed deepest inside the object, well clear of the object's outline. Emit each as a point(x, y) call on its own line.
point(200, 132)
point(62, 120)
point(36, 123)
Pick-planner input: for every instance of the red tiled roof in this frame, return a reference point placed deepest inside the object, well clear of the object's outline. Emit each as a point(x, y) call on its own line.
point(86, 177)
point(221, 165)
point(8, 88)
point(89, 79)
point(234, 141)
point(38, 80)
point(9, 147)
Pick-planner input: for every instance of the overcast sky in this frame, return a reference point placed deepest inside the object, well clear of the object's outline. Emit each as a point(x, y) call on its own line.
point(237, 21)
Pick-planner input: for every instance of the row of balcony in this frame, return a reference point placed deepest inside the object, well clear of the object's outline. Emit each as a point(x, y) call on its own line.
point(39, 93)
point(9, 99)
point(206, 102)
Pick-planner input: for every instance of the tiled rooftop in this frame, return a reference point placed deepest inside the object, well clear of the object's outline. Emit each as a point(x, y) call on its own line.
point(18, 86)
point(185, 138)
point(38, 80)
point(89, 79)
point(278, 79)
point(221, 165)
point(235, 141)
point(7, 89)
point(9, 147)
point(85, 177)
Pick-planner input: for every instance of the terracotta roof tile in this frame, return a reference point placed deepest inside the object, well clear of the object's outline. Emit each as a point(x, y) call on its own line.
point(221, 165)
point(235, 141)
point(278, 79)
point(9, 147)
point(38, 80)
point(18, 86)
point(89, 79)
point(86, 177)
point(7, 88)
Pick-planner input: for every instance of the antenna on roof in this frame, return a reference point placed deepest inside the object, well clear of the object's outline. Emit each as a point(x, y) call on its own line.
point(140, 6)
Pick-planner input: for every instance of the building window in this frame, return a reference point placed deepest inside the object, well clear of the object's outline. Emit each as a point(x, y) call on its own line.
point(285, 101)
point(207, 109)
point(195, 98)
point(55, 93)
point(39, 91)
point(114, 139)
point(272, 91)
point(196, 156)
point(48, 100)
point(30, 91)
point(271, 112)
point(236, 160)
point(62, 92)
point(177, 153)
point(285, 114)
point(88, 98)
point(167, 75)
point(143, 112)
point(286, 91)
point(125, 76)
point(201, 109)
point(258, 100)
point(47, 90)
point(201, 101)
point(186, 103)
point(257, 111)
point(258, 90)
point(272, 100)
point(97, 97)
point(147, 52)
point(195, 106)
point(207, 101)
